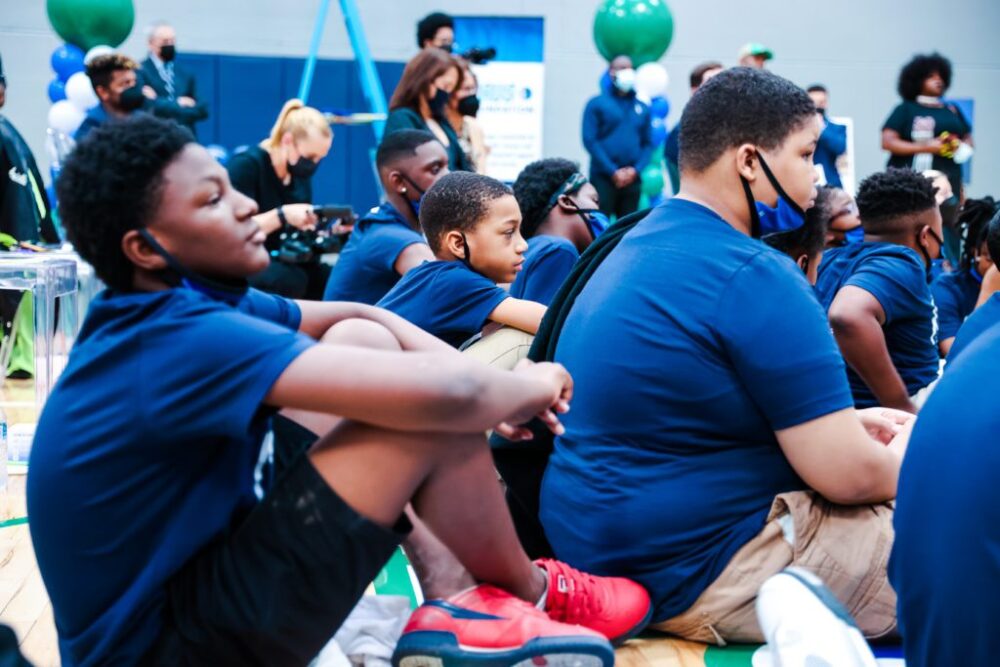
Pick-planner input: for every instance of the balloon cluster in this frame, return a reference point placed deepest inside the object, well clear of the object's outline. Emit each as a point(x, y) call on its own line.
point(651, 81)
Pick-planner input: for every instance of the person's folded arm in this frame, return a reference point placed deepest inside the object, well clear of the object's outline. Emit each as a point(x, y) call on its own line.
point(856, 317)
point(519, 313)
point(318, 316)
point(835, 456)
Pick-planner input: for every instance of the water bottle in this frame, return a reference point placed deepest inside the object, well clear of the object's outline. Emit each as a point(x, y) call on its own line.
point(3, 464)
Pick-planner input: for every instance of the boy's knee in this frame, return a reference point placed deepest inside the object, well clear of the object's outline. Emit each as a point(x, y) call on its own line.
point(361, 333)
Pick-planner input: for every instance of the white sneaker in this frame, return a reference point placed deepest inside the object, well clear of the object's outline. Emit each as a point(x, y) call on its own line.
point(806, 626)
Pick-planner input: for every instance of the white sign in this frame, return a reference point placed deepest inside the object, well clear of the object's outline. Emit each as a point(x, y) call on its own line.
point(510, 113)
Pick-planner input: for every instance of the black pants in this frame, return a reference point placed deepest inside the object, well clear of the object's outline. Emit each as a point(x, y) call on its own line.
point(274, 589)
point(293, 281)
point(617, 201)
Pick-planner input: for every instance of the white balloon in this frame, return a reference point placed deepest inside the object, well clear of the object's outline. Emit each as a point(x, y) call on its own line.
point(101, 50)
point(65, 117)
point(651, 81)
point(80, 92)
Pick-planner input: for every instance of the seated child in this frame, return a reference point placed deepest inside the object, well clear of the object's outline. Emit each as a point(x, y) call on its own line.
point(151, 540)
point(387, 242)
point(843, 227)
point(877, 295)
point(956, 293)
point(987, 312)
point(805, 244)
point(472, 224)
point(561, 217)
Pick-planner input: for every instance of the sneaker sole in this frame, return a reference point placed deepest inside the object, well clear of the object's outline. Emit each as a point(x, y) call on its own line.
point(635, 629)
point(441, 649)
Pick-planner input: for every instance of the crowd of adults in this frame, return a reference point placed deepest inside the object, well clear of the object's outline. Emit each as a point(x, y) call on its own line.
point(745, 362)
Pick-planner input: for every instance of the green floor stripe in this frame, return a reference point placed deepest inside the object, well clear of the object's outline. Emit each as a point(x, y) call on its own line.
point(730, 656)
point(14, 522)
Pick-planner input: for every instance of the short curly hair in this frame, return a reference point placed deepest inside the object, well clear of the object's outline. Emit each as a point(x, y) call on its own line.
point(457, 201)
point(112, 183)
point(738, 106)
point(535, 186)
point(810, 238)
point(915, 72)
point(887, 199)
point(973, 223)
point(428, 27)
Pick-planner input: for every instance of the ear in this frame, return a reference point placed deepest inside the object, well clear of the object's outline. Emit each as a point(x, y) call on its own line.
point(140, 253)
point(566, 204)
point(746, 162)
point(396, 182)
point(803, 262)
point(454, 243)
point(103, 94)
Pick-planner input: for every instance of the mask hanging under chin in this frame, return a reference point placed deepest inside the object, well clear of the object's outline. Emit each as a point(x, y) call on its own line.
point(177, 275)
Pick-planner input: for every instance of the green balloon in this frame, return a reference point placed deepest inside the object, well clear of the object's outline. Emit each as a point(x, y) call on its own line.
point(652, 180)
point(640, 29)
point(90, 23)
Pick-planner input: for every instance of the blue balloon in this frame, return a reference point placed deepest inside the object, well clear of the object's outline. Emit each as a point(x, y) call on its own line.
point(659, 107)
point(659, 134)
point(67, 60)
point(57, 90)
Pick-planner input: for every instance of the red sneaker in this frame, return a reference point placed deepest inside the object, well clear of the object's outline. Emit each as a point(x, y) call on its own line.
point(617, 608)
point(487, 627)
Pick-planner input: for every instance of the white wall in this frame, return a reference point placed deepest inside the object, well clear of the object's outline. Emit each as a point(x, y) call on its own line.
point(855, 47)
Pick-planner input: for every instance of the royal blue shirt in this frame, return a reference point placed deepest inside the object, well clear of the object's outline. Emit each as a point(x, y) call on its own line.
point(945, 561)
point(975, 325)
point(446, 299)
point(366, 268)
point(831, 145)
point(689, 347)
point(547, 262)
point(616, 133)
point(955, 295)
point(897, 278)
point(145, 452)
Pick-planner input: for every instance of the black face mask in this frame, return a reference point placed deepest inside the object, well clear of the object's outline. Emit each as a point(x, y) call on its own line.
point(949, 211)
point(168, 52)
point(303, 169)
point(469, 106)
point(414, 205)
point(439, 102)
point(231, 292)
point(927, 256)
point(131, 99)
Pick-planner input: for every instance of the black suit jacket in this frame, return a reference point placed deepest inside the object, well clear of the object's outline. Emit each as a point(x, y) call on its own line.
point(184, 86)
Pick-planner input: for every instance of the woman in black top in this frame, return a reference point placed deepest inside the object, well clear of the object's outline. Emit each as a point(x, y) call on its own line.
point(421, 99)
point(277, 174)
point(923, 132)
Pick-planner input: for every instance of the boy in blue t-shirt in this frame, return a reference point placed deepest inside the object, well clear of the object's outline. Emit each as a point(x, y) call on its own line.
point(877, 293)
point(387, 242)
point(946, 559)
point(149, 531)
point(987, 313)
point(957, 293)
point(473, 226)
point(713, 439)
point(561, 217)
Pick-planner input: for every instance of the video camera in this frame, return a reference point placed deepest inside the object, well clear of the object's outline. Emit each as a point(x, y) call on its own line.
point(478, 56)
point(300, 246)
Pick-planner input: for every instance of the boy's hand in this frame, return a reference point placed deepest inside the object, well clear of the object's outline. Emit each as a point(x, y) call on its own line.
point(884, 424)
point(559, 387)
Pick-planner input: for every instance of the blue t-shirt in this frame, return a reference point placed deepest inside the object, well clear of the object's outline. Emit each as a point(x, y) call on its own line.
point(945, 562)
point(446, 299)
point(978, 322)
point(145, 452)
point(689, 347)
point(955, 295)
point(547, 262)
point(366, 271)
point(896, 276)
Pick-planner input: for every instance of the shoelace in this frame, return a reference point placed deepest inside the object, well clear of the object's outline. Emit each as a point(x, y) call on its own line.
point(569, 593)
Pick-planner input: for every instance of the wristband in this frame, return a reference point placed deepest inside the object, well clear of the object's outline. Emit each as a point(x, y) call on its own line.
point(281, 216)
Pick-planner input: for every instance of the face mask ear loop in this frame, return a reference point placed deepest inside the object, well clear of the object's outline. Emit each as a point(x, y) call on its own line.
point(777, 186)
point(467, 259)
point(752, 203)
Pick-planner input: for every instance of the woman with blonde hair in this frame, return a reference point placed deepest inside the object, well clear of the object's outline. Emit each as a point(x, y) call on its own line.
point(420, 101)
point(461, 114)
point(277, 174)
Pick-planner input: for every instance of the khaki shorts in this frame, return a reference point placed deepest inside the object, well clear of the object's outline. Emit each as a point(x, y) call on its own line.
point(501, 349)
point(845, 546)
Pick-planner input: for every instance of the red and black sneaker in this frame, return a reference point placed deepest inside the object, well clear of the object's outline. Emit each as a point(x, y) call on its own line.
point(487, 627)
point(617, 608)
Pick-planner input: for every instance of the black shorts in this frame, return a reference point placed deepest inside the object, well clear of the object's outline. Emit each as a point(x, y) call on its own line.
point(276, 586)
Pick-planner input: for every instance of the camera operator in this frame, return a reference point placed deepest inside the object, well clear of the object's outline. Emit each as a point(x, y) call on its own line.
point(277, 174)
point(437, 31)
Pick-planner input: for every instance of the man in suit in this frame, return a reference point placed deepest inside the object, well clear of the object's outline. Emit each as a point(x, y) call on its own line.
point(171, 87)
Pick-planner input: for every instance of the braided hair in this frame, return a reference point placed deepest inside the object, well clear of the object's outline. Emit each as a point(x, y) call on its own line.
point(973, 225)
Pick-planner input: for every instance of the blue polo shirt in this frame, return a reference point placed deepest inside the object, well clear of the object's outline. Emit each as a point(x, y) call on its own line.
point(897, 277)
point(690, 346)
point(945, 561)
point(145, 452)
point(955, 295)
point(445, 299)
point(547, 262)
point(975, 325)
point(365, 270)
